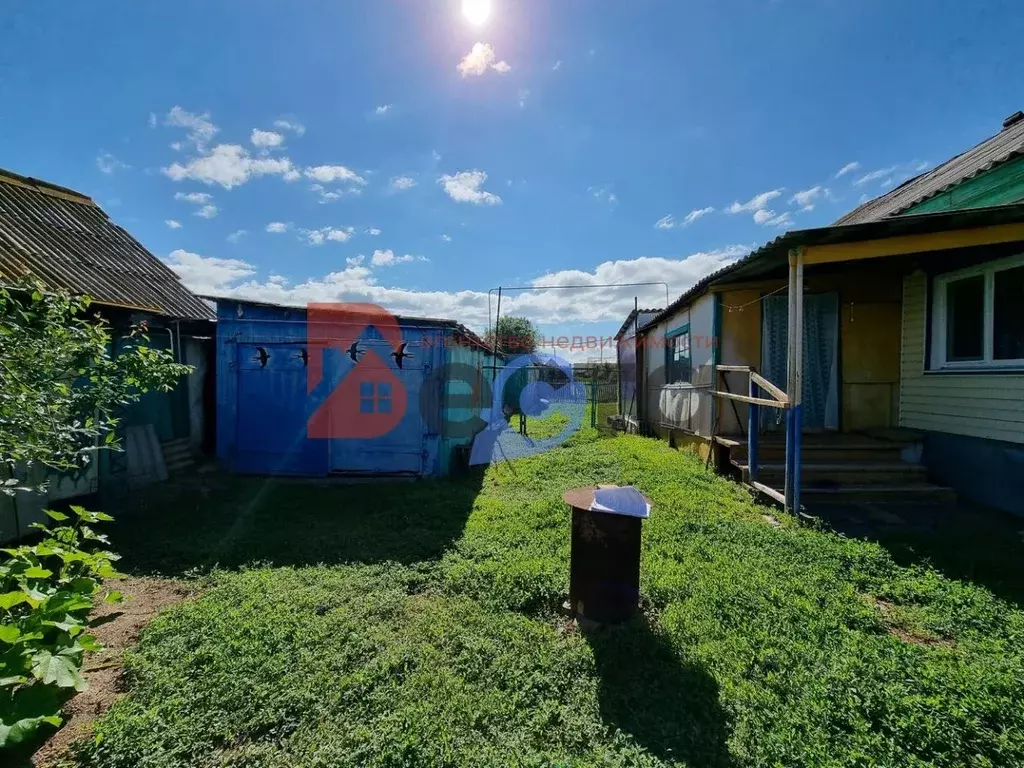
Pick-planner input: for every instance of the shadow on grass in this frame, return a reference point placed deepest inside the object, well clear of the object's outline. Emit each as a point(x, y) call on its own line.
point(968, 543)
point(228, 521)
point(667, 705)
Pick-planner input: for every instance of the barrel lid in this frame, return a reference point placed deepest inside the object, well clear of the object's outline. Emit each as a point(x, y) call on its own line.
point(614, 501)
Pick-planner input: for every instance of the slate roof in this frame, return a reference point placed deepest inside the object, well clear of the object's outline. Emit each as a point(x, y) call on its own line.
point(64, 239)
point(995, 150)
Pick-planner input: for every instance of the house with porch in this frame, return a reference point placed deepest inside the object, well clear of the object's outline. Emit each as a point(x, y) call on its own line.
point(65, 240)
point(881, 358)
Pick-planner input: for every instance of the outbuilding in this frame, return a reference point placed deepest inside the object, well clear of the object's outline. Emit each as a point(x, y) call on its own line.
point(346, 389)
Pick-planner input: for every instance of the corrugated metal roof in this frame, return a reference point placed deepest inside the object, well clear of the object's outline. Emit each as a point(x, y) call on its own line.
point(998, 149)
point(629, 319)
point(65, 240)
point(775, 254)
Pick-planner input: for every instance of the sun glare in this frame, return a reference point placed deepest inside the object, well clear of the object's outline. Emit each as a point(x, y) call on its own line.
point(476, 11)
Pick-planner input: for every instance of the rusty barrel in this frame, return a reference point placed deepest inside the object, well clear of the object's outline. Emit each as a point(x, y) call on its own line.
point(604, 570)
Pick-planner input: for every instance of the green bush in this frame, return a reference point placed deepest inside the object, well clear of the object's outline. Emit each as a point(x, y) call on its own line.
point(46, 593)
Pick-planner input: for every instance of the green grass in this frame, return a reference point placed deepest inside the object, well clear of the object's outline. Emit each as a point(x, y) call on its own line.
point(430, 634)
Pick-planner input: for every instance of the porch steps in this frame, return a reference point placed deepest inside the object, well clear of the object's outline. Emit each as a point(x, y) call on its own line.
point(842, 469)
point(178, 456)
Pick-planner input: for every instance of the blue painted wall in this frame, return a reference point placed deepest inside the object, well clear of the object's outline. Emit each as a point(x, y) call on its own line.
point(987, 472)
point(263, 408)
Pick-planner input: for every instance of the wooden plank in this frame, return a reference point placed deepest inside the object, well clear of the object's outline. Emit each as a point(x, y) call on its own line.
point(754, 400)
point(774, 391)
point(734, 368)
point(905, 244)
point(769, 491)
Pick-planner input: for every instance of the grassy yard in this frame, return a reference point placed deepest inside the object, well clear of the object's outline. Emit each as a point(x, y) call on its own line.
point(417, 624)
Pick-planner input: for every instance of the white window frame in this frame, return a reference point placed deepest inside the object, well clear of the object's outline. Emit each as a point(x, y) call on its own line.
point(988, 270)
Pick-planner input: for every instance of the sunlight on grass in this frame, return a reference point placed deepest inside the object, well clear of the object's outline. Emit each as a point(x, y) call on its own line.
point(431, 635)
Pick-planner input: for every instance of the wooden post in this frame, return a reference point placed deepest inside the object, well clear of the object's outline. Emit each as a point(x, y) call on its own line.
point(794, 421)
point(752, 432)
point(790, 379)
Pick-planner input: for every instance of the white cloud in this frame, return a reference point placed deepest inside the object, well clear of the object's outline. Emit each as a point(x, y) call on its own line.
point(524, 94)
point(277, 227)
point(228, 165)
point(292, 174)
point(200, 129)
point(325, 234)
point(199, 198)
point(326, 174)
point(558, 66)
point(152, 119)
point(237, 235)
point(480, 59)
point(446, 238)
point(771, 219)
point(604, 194)
point(403, 182)
point(265, 139)
point(207, 211)
point(670, 221)
point(886, 183)
point(357, 282)
point(387, 258)
point(373, 231)
point(107, 163)
point(695, 214)
point(383, 109)
point(881, 173)
point(922, 166)
point(173, 224)
point(436, 155)
point(330, 195)
point(848, 168)
point(355, 261)
point(290, 125)
point(756, 203)
point(177, 146)
point(208, 275)
point(465, 187)
point(807, 198)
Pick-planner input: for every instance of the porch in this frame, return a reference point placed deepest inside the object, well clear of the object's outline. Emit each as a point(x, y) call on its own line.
point(826, 370)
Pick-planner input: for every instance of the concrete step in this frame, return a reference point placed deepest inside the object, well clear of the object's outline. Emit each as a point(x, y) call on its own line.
point(177, 455)
point(817, 474)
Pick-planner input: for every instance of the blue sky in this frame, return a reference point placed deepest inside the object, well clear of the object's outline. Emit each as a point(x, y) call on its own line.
point(409, 157)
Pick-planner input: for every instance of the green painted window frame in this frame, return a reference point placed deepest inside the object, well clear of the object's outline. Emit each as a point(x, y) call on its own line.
point(678, 355)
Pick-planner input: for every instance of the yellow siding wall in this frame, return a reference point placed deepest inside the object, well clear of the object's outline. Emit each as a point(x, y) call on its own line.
point(979, 405)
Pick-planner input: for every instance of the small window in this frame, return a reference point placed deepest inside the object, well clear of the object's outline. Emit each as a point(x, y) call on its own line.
point(978, 317)
point(677, 357)
point(1008, 315)
point(965, 319)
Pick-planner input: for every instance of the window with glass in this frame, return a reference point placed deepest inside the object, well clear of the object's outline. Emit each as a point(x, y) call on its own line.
point(677, 356)
point(978, 317)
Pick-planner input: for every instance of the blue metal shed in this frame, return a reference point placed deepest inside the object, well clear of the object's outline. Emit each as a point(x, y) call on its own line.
point(290, 404)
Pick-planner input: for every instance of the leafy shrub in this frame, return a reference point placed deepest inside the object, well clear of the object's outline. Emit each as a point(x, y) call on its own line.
point(46, 593)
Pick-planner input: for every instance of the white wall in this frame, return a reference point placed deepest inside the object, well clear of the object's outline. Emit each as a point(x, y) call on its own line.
point(684, 406)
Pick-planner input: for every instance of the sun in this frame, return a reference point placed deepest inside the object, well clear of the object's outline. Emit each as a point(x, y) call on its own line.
point(476, 11)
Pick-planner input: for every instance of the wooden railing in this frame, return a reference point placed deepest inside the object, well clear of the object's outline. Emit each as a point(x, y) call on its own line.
point(777, 398)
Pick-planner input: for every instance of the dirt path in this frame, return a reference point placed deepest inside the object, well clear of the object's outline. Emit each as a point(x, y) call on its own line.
point(144, 599)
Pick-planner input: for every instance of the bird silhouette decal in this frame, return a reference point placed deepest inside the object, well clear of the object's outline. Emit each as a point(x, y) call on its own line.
point(401, 354)
point(262, 356)
point(354, 352)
